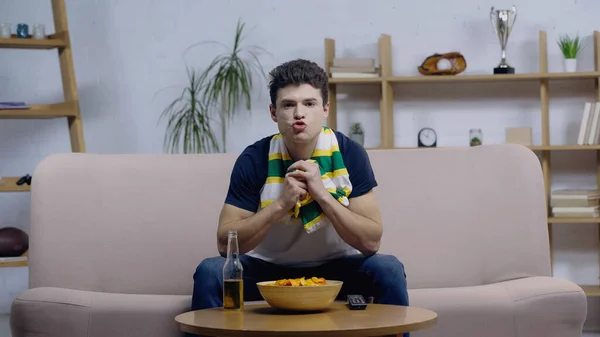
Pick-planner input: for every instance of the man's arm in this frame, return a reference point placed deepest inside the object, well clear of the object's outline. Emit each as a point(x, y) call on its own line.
point(251, 227)
point(359, 224)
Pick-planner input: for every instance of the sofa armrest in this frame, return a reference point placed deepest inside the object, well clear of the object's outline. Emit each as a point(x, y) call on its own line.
point(58, 312)
point(547, 306)
point(526, 307)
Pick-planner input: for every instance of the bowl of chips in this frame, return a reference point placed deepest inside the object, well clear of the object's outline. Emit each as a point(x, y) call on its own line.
point(300, 294)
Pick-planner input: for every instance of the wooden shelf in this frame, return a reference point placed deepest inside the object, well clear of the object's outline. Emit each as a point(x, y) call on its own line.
point(14, 264)
point(496, 78)
point(21, 263)
point(564, 147)
point(542, 78)
point(9, 184)
point(41, 111)
point(533, 147)
point(573, 220)
point(591, 291)
point(470, 78)
point(52, 42)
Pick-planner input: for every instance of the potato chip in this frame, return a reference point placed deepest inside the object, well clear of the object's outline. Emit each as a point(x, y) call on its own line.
point(300, 282)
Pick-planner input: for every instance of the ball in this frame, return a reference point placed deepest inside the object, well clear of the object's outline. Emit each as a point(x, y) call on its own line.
point(13, 242)
point(444, 64)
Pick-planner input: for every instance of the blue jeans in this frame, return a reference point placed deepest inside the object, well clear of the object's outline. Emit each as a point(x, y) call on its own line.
point(380, 276)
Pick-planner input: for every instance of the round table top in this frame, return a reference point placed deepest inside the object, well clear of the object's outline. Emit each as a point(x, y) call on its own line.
point(337, 320)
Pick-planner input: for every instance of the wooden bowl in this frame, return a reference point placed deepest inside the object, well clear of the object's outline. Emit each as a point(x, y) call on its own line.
point(300, 298)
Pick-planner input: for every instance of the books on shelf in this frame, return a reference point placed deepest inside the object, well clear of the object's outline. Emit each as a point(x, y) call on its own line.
point(575, 203)
point(350, 67)
point(13, 105)
point(589, 129)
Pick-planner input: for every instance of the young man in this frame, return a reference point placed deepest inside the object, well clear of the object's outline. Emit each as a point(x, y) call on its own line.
point(336, 232)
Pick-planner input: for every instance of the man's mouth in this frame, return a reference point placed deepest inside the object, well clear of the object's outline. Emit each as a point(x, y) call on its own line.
point(299, 125)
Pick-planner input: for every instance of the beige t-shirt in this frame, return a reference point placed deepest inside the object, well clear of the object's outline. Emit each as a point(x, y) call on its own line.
point(289, 244)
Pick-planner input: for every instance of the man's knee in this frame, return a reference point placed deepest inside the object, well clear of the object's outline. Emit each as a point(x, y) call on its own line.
point(209, 267)
point(385, 263)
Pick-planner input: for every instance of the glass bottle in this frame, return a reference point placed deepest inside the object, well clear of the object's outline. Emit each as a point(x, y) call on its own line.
point(233, 282)
point(475, 137)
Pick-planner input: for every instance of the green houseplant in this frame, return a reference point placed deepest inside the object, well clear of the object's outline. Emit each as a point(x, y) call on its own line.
point(357, 133)
point(188, 124)
point(570, 48)
point(217, 92)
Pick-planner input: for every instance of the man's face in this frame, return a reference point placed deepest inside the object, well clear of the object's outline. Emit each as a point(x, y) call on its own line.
point(299, 113)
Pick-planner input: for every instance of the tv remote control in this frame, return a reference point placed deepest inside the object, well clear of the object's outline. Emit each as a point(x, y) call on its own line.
point(356, 302)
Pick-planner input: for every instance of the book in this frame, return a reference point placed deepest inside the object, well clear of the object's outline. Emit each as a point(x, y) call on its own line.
point(354, 75)
point(353, 69)
point(353, 62)
point(13, 105)
point(576, 212)
point(575, 198)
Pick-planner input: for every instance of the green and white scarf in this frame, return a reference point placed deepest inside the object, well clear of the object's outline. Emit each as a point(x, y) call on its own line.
point(333, 173)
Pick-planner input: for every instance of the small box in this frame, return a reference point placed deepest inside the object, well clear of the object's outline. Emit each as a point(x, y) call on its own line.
point(520, 136)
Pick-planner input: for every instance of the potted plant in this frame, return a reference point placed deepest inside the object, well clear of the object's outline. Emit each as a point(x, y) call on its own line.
point(475, 137)
point(189, 120)
point(570, 48)
point(357, 134)
point(217, 92)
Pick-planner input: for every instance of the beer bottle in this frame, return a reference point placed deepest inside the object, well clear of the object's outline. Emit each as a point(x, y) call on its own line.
point(233, 283)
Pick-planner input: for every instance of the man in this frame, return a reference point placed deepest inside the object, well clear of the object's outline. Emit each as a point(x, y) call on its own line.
point(339, 240)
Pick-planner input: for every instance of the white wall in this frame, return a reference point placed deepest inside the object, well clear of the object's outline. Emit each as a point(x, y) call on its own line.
point(125, 52)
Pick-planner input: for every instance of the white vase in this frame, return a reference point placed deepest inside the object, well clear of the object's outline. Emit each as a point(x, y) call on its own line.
point(570, 65)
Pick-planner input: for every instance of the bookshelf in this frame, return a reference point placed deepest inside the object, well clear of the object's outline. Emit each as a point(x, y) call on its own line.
point(386, 79)
point(68, 109)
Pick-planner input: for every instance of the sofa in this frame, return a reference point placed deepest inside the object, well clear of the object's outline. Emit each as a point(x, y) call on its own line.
point(116, 238)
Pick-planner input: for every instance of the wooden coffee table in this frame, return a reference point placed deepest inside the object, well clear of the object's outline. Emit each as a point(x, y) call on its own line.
point(337, 321)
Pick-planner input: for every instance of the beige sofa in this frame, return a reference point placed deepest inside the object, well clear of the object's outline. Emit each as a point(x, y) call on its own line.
point(115, 240)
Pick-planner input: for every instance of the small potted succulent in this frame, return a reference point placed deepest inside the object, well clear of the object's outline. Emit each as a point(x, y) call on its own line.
point(570, 48)
point(475, 137)
point(357, 134)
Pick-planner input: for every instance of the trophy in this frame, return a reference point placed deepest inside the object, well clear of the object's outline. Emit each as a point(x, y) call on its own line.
point(503, 20)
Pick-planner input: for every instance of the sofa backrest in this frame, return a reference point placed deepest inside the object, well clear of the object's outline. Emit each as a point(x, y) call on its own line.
point(141, 223)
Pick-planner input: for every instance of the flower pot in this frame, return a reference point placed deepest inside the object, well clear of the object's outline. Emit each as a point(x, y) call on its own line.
point(358, 137)
point(570, 65)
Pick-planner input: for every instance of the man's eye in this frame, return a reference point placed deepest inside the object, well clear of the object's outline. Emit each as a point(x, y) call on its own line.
point(288, 105)
point(310, 103)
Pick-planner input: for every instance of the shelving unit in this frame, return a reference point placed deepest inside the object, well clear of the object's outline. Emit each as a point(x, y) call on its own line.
point(68, 109)
point(386, 107)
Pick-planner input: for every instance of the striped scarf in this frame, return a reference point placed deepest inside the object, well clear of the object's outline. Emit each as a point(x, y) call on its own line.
point(333, 173)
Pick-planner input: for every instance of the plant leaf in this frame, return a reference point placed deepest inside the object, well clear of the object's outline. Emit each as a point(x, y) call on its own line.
point(220, 90)
point(188, 121)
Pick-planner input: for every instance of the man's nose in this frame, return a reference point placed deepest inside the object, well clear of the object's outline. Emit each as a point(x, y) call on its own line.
point(299, 112)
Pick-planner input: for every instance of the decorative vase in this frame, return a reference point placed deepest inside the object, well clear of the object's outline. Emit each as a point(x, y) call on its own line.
point(22, 31)
point(39, 31)
point(5, 30)
point(358, 137)
point(570, 65)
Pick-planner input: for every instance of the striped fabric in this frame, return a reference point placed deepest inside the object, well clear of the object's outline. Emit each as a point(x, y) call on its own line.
point(333, 173)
